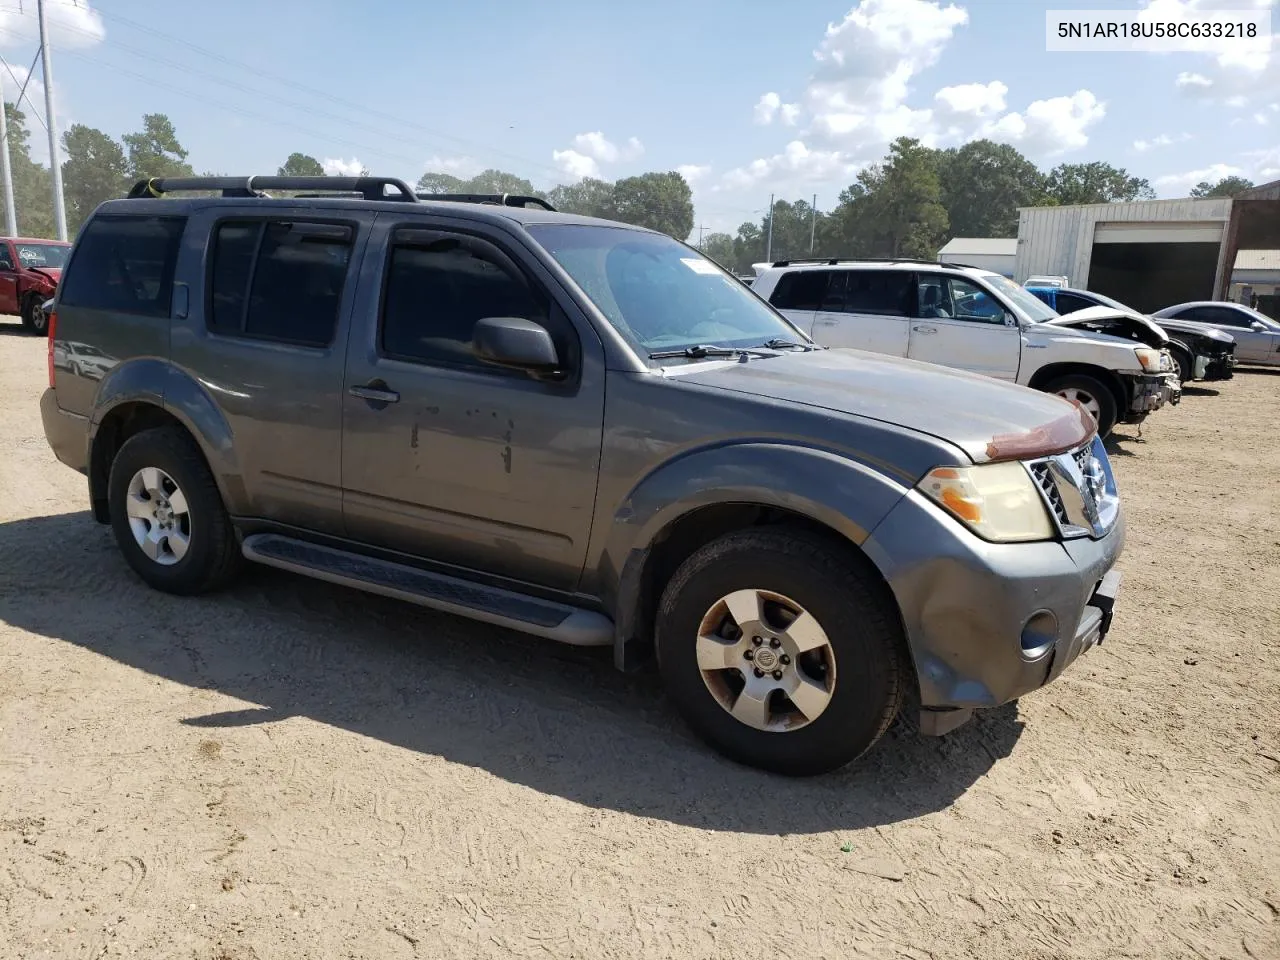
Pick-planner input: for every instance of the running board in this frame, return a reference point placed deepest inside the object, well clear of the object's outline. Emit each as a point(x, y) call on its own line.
point(505, 608)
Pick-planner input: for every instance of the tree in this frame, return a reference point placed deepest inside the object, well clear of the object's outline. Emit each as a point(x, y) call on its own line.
point(588, 197)
point(95, 170)
point(895, 207)
point(488, 181)
point(32, 184)
point(440, 183)
point(719, 247)
point(154, 151)
point(1095, 182)
point(301, 165)
point(983, 184)
point(659, 201)
point(1226, 187)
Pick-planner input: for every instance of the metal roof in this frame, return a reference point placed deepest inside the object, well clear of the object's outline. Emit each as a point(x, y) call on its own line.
point(1258, 260)
point(980, 246)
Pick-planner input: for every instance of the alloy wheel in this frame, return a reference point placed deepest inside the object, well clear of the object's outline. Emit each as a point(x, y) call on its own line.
point(159, 516)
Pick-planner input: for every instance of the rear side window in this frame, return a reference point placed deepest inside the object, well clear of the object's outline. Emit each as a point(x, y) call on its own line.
point(883, 292)
point(800, 290)
point(1070, 303)
point(124, 264)
point(279, 280)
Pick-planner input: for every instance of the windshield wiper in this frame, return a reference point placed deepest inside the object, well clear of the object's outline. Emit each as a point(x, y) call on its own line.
point(700, 350)
point(779, 343)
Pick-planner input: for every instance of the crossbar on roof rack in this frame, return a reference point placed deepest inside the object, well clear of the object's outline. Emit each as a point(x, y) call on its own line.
point(497, 199)
point(370, 188)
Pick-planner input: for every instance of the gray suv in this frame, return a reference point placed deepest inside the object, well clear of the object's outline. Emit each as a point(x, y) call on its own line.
point(585, 431)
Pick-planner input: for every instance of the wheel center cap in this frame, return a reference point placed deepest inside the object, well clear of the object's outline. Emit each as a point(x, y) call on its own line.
point(766, 659)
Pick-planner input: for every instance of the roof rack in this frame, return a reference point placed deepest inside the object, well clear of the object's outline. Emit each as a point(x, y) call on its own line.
point(497, 199)
point(370, 188)
point(833, 261)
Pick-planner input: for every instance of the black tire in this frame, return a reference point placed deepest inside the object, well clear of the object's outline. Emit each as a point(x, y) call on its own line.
point(213, 556)
point(842, 592)
point(34, 320)
point(1182, 362)
point(1082, 383)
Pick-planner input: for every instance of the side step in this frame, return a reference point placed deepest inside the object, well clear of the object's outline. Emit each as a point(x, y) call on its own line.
point(542, 618)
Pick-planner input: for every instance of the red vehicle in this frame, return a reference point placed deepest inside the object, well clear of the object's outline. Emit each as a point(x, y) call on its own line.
point(29, 274)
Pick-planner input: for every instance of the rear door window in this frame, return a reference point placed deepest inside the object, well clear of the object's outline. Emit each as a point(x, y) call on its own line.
point(124, 264)
point(801, 290)
point(885, 293)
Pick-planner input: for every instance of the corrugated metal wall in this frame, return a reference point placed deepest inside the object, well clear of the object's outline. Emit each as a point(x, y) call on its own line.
point(1058, 241)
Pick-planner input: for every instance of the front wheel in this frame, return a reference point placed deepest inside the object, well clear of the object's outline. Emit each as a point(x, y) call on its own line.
point(782, 650)
point(34, 319)
point(1090, 393)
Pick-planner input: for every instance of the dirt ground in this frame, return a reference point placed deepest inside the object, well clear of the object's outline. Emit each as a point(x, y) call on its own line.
point(292, 770)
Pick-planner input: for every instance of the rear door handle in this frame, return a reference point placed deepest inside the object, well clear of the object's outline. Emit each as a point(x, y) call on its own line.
point(825, 323)
point(375, 392)
point(923, 329)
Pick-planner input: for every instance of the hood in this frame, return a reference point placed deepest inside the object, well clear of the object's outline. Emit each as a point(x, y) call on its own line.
point(987, 419)
point(1128, 325)
point(1186, 326)
point(53, 273)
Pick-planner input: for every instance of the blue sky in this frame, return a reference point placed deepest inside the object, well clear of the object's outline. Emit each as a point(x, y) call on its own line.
point(745, 97)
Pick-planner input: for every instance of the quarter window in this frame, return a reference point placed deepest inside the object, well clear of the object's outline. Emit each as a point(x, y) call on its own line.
point(440, 285)
point(279, 280)
point(124, 264)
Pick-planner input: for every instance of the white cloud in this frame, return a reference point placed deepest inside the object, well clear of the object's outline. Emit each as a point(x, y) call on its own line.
point(1236, 102)
point(796, 164)
point(463, 167)
point(1266, 163)
point(972, 99)
point(1049, 127)
point(1193, 80)
point(693, 172)
point(337, 167)
point(590, 150)
point(789, 113)
point(1261, 119)
point(766, 108)
point(72, 23)
point(1185, 181)
point(1163, 140)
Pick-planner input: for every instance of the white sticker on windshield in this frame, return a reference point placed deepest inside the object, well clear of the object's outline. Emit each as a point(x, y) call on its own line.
point(705, 267)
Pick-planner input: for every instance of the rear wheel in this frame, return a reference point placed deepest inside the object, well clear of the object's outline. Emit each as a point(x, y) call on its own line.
point(1090, 393)
point(167, 514)
point(782, 650)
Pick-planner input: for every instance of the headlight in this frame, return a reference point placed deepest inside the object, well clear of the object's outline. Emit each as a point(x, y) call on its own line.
point(997, 501)
point(1149, 358)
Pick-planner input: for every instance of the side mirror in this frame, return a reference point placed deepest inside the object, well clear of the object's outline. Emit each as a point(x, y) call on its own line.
point(1010, 320)
point(1258, 325)
point(518, 344)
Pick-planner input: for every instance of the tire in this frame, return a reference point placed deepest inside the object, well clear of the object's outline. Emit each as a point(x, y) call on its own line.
point(34, 320)
point(1182, 361)
point(861, 671)
point(165, 458)
point(1078, 387)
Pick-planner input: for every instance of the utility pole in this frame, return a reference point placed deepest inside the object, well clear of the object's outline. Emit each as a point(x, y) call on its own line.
point(6, 170)
point(701, 228)
point(768, 250)
point(55, 167)
point(813, 224)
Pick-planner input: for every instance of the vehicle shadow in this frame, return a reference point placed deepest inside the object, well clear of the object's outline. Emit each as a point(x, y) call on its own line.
point(1112, 444)
point(1192, 391)
point(14, 330)
point(556, 719)
point(1261, 371)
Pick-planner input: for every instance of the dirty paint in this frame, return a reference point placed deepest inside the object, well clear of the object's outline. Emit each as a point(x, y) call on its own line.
point(413, 438)
point(506, 451)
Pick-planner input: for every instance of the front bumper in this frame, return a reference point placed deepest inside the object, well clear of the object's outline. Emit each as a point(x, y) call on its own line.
point(1220, 367)
point(968, 606)
point(1149, 392)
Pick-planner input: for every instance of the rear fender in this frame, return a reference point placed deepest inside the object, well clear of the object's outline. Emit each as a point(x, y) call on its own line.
point(845, 496)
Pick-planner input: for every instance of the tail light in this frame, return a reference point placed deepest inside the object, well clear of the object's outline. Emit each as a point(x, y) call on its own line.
point(53, 331)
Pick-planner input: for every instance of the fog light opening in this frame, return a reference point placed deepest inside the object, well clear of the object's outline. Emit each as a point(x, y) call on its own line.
point(1039, 635)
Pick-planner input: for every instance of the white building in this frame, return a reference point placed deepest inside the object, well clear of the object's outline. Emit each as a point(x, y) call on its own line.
point(998, 255)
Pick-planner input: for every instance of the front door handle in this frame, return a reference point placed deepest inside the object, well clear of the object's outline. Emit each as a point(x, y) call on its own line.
point(923, 329)
point(376, 392)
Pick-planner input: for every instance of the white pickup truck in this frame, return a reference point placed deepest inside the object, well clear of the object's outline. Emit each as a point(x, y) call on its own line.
point(971, 319)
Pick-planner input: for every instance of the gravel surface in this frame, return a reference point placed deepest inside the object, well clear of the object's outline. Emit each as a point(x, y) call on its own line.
point(289, 769)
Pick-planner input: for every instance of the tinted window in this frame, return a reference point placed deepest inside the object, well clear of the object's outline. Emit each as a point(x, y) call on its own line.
point(6, 263)
point(1070, 303)
point(800, 290)
point(884, 292)
point(124, 264)
point(944, 297)
point(1225, 317)
point(439, 286)
point(279, 280)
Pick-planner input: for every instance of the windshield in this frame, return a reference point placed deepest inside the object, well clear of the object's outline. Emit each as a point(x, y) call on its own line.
point(1032, 306)
point(42, 254)
point(1259, 315)
point(660, 294)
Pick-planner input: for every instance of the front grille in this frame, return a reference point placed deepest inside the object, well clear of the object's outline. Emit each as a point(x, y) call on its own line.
point(1082, 457)
point(1040, 471)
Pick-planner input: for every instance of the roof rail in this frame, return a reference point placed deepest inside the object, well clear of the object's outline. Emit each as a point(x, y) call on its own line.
point(833, 261)
point(370, 188)
point(497, 199)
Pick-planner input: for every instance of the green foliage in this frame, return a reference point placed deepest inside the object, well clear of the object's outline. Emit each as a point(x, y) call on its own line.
point(895, 209)
point(1095, 182)
point(489, 181)
point(154, 151)
point(588, 197)
point(32, 184)
point(983, 184)
point(95, 170)
point(1226, 187)
point(659, 201)
point(719, 247)
point(301, 165)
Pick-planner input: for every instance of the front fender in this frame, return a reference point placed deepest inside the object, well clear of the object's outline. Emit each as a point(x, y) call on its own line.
point(844, 495)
